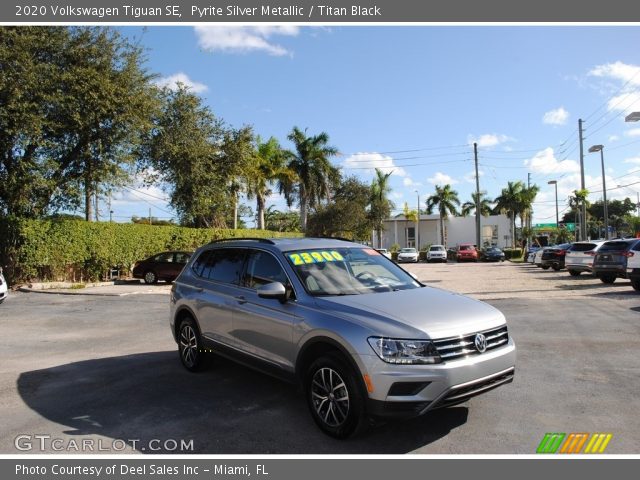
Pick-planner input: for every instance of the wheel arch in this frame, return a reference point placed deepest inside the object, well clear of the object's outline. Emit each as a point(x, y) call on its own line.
point(181, 313)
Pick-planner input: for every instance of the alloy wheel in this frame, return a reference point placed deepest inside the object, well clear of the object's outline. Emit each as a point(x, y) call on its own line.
point(330, 397)
point(188, 345)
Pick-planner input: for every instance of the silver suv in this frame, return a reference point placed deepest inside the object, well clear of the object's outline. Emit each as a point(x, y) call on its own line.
point(358, 333)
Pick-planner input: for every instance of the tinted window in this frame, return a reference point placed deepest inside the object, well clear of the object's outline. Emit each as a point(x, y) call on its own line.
point(200, 262)
point(636, 247)
point(164, 257)
point(583, 247)
point(437, 249)
point(182, 257)
point(263, 268)
point(466, 247)
point(614, 246)
point(224, 265)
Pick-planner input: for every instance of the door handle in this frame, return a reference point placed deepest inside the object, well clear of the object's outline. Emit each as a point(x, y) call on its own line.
point(241, 299)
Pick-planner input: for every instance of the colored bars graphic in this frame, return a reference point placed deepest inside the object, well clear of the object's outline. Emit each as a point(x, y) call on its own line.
point(573, 443)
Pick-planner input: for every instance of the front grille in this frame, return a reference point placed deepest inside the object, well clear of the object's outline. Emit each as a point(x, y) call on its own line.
point(464, 345)
point(465, 392)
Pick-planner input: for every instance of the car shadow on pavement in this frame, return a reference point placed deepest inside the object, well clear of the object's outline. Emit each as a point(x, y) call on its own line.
point(228, 409)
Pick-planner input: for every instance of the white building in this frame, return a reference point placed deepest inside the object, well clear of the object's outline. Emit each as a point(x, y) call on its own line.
point(494, 230)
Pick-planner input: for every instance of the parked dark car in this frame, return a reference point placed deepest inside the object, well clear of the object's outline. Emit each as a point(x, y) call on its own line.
point(162, 266)
point(610, 261)
point(554, 256)
point(491, 254)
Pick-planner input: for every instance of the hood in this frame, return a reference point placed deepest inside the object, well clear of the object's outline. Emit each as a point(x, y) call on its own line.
point(417, 313)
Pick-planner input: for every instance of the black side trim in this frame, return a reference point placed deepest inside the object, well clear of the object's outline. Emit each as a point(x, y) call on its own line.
point(406, 389)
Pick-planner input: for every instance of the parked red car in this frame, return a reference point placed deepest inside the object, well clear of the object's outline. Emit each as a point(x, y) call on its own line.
point(162, 266)
point(466, 252)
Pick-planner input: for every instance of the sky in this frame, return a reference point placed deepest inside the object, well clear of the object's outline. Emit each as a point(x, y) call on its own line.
point(411, 100)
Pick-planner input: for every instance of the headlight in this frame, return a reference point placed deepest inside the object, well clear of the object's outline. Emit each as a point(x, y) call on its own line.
point(406, 352)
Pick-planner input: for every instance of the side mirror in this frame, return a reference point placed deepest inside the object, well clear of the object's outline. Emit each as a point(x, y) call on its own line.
point(274, 290)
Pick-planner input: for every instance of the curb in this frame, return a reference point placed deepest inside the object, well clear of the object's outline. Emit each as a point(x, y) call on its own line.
point(53, 291)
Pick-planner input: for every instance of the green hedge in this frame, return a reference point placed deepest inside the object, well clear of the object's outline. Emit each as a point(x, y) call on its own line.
point(78, 250)
point(510, 253)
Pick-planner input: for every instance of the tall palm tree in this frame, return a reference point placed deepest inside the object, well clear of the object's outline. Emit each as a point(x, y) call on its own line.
point(269, 166)
point(445, 200)
point(470, 206)
point(314, 174)
point(510, 202)
point(409, 216)
point(576, 201)
point(527, 197)
point(380, 205)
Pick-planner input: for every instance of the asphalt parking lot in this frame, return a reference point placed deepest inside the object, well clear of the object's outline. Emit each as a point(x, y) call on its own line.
point(104, 367)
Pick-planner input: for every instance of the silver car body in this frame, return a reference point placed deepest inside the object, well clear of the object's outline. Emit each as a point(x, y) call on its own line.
point(278, 334)
point(579, 257)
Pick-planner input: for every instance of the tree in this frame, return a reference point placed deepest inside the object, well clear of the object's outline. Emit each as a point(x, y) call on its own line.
point(445, 200)
point(381, 206)
point(74, 103)
point(197, 158)
point(278, 221)
point(345, 215)
point(510, 202)
point(314, 175)
point(470, 206)
point(269, 166)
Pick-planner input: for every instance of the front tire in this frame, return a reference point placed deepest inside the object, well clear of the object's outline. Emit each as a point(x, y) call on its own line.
point(574, 273)
point(150, 278)
point(557, 268)
point(608, 279)
point(335, 400)
point(545, 267)
point(192, 354)
point(636, 285)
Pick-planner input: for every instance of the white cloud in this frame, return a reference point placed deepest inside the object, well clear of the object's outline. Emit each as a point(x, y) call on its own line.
point(408, 182)
point(545, 162)
point(172, 82)
point(489, 140)
point(619, 71)
point(441, 179)
point(634, 132)
point(634, 160)
point(559, 116)
point(232, 39)
point(614, 138)
point(624, 101)
point(372, 160)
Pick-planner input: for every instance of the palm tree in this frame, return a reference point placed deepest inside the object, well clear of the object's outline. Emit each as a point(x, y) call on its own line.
point(269, 165)
point(380, 205)
point(409, 215)
point(527, 197)
point(576, 201)
point(314, 173)
point(470, 206)
point(510, 202)
point(445, 200)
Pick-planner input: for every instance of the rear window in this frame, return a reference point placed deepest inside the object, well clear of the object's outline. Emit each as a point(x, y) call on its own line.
point(466, 247)
point(583, 247)
point(615, 246)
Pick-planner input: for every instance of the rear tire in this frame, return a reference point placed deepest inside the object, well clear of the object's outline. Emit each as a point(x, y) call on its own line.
point(544, 267)
point(635, 284)
point(574, 273)
point(334, 397)
point(150, 277)
point(557, 268)
point(609, 279)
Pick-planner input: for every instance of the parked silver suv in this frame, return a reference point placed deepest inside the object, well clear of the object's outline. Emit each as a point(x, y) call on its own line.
point(361, 335)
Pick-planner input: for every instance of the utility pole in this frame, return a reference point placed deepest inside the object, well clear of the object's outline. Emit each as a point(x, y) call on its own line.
point(475, 154)
point(530, 216)
point(583, 207)
point(149, 216)
point(418, 224)
point(110, 211)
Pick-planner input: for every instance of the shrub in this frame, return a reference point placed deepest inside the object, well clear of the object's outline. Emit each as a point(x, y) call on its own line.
point(76, 250)
point(510, 253)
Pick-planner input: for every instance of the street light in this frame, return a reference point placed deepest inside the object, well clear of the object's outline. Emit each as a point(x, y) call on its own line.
point(555, 182)
point(632, 117)
point(600, 148)
point(418, 223)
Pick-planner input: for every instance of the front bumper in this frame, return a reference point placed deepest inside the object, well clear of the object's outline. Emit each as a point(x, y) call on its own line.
point(445, 384)
point(407, 259)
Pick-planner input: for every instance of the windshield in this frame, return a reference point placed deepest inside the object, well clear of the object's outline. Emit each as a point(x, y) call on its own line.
point(467, 247)
point(437, 248)
point(408, 250)
point(348, 271)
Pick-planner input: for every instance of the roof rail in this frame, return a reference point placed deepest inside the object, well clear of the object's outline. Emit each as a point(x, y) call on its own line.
point(335, 238)
point(261, 240)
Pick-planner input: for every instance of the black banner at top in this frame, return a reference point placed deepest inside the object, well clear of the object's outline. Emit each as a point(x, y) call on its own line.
point(316, 11)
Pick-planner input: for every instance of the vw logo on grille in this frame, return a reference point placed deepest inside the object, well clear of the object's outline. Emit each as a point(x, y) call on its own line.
point(480, 342)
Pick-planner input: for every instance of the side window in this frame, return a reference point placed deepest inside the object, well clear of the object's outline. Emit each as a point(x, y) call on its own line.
point(636, 247)
point(224, 265)
point(181, 257)
point(200, 262)
point(164, 257)
point(263, 268)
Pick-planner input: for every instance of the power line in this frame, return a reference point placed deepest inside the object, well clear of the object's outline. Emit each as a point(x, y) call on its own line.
point(404, 151)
